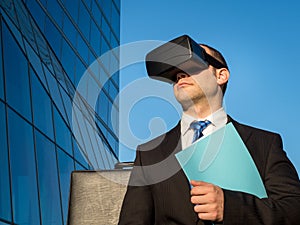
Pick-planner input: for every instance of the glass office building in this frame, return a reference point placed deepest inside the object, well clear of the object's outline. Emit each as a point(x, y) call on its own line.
point(45, 48)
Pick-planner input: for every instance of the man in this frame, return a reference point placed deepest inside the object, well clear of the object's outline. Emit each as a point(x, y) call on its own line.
point(159, 192)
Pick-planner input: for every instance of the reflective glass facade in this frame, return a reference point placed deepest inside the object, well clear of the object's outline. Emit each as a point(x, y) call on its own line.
point(45, 48)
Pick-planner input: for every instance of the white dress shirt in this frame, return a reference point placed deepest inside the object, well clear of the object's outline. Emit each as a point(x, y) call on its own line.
point(218, 119)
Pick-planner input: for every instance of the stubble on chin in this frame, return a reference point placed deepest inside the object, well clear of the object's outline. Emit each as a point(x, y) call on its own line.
point(187, 99)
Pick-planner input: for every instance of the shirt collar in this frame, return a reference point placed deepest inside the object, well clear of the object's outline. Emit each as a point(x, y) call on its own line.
point(217, 119)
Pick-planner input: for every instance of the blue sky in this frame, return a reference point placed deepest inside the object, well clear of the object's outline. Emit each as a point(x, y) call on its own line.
point(259, 39)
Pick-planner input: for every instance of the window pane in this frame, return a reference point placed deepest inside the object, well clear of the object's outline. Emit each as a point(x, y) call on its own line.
point(62, 133)
point(55, 11)
point(82, 49)
point(68, 60)
point(53, 36)
point(54, 91)
point(36, 63)
point(102, 106)
point(72, 7)
point(106, 7)
point(115, 119)
point(16, 74)
point(115, 21)
point(96, 13)
point(117, 3)
point(111, 158)
point(22, 161)
point(84, 20)
point(95, 38)
point(116, 78)
point(79, 155)
point(69, 30)
point(105, 28)
point(68, 104)
point(22, 27)
point(80, 69)
point(37, 12)
point(109, 118)
point(66, 166)
point(105, 163)
point(5, 209)
point(24, 24)
point(48, 181)
point(42, 111)
point(104, 49)
point(113, 41)
point(79, 167)
point(112, 89)
point(1, 67)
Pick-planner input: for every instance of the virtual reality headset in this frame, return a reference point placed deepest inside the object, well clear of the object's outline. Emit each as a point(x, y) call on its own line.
point(181, 54)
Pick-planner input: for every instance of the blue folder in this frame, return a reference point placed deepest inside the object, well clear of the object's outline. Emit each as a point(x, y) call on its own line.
point(222, 158)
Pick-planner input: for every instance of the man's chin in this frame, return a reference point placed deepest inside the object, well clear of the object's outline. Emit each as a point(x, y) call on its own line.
point(186, 102)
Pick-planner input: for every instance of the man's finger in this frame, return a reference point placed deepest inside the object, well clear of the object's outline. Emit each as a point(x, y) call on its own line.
point(207, 216)
point(199, 190)
point(205, 208)
point(199, 183)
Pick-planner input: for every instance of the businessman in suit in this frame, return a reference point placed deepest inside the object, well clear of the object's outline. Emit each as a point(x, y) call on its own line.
point(159, 192)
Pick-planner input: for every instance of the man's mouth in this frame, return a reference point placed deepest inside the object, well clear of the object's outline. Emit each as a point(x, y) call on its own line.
point(183, 84)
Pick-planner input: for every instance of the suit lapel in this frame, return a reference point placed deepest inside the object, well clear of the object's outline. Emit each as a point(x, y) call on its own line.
point(172, 141)
point(247, 134)
point(241, 129)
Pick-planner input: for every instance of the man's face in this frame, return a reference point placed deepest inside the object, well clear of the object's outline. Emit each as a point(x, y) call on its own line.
point(201, 86)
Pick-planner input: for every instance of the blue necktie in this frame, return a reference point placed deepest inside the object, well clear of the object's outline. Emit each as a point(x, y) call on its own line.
point(198, 127)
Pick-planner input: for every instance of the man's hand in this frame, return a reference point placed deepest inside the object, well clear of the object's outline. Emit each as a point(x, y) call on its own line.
point(208, 200)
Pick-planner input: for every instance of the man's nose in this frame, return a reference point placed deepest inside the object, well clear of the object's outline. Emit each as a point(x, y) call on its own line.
point(180, 76)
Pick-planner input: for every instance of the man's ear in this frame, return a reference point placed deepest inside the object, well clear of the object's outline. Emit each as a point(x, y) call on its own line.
point(222, 76)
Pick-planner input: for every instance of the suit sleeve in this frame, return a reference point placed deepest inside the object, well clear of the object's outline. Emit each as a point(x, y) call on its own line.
point(282, 207)
point(137, 208)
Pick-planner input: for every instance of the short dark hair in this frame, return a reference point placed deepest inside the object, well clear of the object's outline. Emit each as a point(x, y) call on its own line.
point(218, 55)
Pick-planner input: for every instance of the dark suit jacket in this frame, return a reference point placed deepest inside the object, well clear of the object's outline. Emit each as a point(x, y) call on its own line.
point(159, 192)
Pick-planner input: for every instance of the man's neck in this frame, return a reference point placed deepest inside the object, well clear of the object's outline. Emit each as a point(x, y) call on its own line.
point(202, 111)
